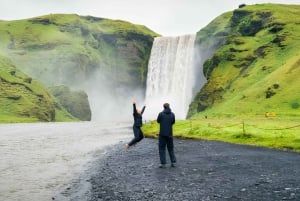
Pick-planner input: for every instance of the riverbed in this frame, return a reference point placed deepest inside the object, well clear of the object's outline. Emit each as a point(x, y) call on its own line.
point(38, 160)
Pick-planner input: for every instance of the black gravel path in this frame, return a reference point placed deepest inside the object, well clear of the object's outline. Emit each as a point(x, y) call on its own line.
point(206, 170)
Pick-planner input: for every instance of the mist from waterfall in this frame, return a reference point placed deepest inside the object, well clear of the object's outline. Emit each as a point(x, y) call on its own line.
point(172, 75)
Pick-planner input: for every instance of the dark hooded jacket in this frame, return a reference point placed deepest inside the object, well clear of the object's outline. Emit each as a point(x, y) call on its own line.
point(138, 120)
point(166, 118)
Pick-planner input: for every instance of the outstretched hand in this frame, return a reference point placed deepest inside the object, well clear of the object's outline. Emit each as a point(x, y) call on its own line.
point(134, 101)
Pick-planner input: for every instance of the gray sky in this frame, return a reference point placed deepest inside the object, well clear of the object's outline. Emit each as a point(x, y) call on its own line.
point(166, 17)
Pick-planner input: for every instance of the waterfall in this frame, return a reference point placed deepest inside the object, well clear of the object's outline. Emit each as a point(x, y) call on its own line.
point(171, 75)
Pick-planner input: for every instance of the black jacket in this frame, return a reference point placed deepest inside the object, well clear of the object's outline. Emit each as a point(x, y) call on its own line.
point(166, 118)
point(138, 120)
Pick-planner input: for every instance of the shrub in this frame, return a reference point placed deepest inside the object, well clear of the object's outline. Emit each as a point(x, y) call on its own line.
point(295, 105)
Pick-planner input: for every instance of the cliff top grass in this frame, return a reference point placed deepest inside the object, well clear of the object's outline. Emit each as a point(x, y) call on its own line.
point(57, 28)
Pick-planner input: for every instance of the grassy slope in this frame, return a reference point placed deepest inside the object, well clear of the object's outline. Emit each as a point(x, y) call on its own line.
point(268, 132)
point(244, 67)
point(239, 73)
point(68, 49)
point(23, 99)
point(55, 48)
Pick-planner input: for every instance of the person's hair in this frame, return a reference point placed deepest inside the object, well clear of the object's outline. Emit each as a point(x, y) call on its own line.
point(166, 105)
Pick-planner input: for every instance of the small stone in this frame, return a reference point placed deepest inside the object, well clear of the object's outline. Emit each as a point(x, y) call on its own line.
point(243, 190)
point(217, 196)
point(269, 180)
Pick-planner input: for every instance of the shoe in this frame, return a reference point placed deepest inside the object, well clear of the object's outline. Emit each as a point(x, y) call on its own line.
point(162, 166)
point(173, 164)
point(126, 147)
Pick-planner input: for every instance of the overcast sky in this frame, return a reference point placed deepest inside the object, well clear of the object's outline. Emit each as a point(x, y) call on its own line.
point(166, 17)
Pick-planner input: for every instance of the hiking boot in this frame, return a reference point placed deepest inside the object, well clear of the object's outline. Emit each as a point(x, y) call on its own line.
point(173, 164)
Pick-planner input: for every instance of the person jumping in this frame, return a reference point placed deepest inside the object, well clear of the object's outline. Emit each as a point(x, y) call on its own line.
point(138, 122)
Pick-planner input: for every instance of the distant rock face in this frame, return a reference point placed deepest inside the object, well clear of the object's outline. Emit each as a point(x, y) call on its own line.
point(75, 102)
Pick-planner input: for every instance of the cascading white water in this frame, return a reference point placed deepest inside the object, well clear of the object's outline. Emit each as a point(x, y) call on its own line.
point(171, 75)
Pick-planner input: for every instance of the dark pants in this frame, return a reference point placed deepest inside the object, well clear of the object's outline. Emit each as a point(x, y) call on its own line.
point(164, 141)
point(138, 135)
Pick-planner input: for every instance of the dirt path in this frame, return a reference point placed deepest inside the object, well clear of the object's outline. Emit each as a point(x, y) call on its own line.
point(206, 170)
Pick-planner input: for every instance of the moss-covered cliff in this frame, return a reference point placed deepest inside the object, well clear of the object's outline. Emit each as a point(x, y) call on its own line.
point(106, 58)
point(23, 99)
point(75, 102)
point(69, 49)
point(254, 66)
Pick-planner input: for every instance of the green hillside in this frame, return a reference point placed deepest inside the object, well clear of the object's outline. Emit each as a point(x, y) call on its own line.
point(23, 99)
point(99, 56)
point(68, 49)
point(255, 65)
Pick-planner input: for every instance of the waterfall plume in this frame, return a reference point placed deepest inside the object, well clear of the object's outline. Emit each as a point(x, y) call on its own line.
point(171, 75)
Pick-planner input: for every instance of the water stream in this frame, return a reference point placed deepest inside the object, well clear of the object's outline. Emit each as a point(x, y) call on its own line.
point(172, 74)
point(38, 160)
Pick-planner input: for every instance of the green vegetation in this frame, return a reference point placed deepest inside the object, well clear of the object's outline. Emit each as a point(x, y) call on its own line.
point(68, 49)
point(75, 102)
point(23, 99)
point(255, 64)
point(271, 132)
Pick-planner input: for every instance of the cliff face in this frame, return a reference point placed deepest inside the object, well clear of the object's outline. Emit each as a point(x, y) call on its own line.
point(70, 49)
point(101, 56)
point(252, 62)
point(75, 102)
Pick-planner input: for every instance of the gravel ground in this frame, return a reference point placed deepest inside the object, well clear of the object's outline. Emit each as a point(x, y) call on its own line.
point(206, 170)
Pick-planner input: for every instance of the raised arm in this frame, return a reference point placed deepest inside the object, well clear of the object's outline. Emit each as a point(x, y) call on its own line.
point(134, 106)
point(143, 109)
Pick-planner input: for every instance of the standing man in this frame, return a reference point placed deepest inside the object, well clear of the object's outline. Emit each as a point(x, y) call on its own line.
point(166, 119)
point(137, 124)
